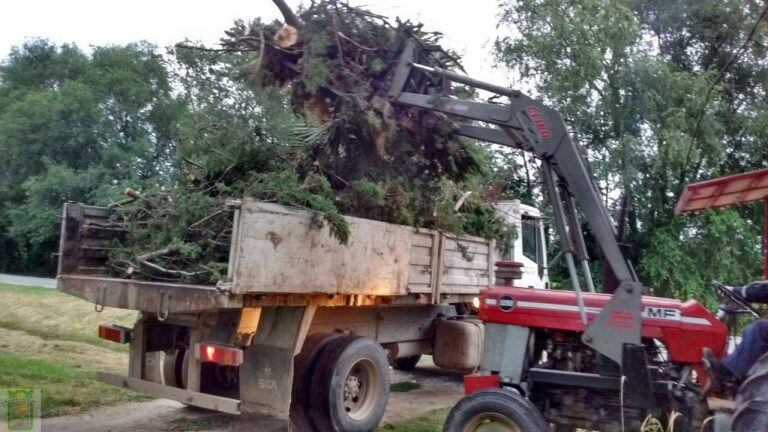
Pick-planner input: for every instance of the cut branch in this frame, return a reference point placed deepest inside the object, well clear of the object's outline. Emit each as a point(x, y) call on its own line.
point(288, 15)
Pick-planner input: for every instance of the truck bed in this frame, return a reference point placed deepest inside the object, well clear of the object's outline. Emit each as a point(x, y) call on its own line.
point(281, 255)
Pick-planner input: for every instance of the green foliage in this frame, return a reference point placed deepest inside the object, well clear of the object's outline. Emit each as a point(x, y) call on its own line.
point(694, 250)
point(632, 78)
point(381, 159)
point(332, 143)
point(76, 127)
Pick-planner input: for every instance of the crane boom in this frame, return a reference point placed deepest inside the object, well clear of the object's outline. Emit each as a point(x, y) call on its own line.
point(529, 125)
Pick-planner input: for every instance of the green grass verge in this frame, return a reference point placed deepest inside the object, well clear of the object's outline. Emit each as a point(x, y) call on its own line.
point(52, 315)
point(430, 422)
point(64, 389)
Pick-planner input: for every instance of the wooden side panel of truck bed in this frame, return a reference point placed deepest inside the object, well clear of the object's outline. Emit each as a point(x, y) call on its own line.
point(281, 251)
point(284, 250)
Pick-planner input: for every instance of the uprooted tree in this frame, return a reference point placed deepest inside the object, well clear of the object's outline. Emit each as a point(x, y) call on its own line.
point(350, 150)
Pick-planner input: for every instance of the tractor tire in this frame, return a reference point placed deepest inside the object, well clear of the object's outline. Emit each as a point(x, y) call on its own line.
point(495, 410)
point(303, 371)
point(752, 400)
point(405, 363)
point(350, 385)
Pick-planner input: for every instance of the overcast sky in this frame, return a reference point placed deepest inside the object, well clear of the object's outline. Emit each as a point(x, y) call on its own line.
point(469, 26)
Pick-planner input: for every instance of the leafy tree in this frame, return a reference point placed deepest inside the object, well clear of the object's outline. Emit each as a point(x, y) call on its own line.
point(660, 93)
point(76, 127)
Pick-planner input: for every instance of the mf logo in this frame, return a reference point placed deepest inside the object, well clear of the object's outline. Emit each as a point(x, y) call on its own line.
point(661, 313)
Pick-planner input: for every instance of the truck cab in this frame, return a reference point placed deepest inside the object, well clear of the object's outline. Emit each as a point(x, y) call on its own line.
point(529, 246)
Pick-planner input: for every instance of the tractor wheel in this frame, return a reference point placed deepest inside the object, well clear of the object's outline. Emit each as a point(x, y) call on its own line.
point(752, 400)
point(495, 410)
point(350, 385)
point(404, 363)
point(303, 371)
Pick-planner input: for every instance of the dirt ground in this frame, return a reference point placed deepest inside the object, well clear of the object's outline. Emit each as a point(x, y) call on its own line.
point(439, 389)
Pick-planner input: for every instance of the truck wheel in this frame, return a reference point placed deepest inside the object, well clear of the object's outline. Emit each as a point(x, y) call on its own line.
point(174, 368)
point(350, 385)
point(303, 371)
point(495, 410)
point(219, 380)
point(404, 363)
point(752, 400)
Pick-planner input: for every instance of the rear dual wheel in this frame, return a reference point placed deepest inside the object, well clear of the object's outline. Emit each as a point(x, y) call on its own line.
point(175, 366)
point(341, 384)
point(495, 410)
point(214, 379)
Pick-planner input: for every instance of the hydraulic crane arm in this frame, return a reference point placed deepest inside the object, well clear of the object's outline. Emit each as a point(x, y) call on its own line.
point(529, 125)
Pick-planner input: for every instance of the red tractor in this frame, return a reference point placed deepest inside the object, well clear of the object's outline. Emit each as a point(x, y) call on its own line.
point(538, 371)
point(577, 359)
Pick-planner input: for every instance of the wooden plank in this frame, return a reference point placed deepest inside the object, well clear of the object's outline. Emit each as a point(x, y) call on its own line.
point(464, 280)
point(202, 400)
point(469, 246)
point(420, 278)
point(422, 238)
point(421, 256)
point(282, 250)
point(479, 264)
point(419, 288)
point(438, 249)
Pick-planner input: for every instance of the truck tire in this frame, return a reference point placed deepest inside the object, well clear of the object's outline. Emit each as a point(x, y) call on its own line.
point(752, 400)
point(174, 368)
point(350, 386)
point(303, 371)
point(404, 363)
point(495, 410)
point(219, 380)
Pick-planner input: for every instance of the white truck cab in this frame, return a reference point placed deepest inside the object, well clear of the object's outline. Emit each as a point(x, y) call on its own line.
point(529, 247)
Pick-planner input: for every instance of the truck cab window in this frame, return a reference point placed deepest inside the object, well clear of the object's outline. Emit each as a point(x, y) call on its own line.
point(531, 238)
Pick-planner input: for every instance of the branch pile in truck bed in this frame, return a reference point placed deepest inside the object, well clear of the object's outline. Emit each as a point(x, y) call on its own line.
point(364, 155)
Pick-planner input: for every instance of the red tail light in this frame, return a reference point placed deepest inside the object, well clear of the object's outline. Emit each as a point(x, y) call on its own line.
point(115, 333)
point(219, 354)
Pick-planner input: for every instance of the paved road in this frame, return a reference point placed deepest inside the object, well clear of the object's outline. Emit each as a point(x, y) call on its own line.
point(27, 280)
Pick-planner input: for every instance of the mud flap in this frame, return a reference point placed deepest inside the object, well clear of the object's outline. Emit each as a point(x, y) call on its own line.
point(266, 375)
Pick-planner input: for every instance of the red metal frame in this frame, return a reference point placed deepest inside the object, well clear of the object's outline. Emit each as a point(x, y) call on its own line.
point(724, 191)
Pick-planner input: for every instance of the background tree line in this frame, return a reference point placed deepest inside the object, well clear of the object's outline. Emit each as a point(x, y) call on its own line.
point(660, 93)
point(83, 127)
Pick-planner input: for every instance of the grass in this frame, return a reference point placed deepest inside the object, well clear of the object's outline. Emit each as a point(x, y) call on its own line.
point(64, 389)
point(49, 341)
point(52, 315)
point(404, 386)
point(189, 424)
point(430, 422)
